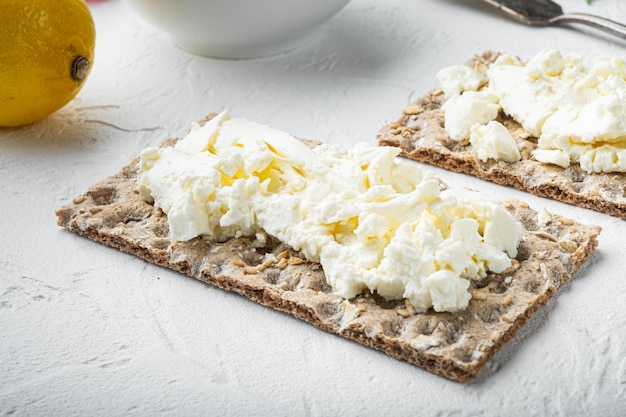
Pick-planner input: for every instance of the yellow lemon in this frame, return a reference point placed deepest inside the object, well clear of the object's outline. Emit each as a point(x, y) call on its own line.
point(46, 54)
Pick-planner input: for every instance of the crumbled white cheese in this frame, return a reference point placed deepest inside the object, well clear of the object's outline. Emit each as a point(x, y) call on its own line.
point(578, 113)
point(604, 158)
point(493, 141)
point(552, 156)
point(468, 109)
point(459, 78)
point(373, 222)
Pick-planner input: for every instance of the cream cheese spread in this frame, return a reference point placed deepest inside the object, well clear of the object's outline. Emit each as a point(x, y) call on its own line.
point(577, 112)
point(374, 222)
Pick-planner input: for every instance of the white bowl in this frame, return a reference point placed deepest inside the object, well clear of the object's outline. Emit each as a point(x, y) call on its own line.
point(237, 28)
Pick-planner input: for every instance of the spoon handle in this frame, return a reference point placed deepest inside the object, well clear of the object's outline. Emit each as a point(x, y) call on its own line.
point(597, 22)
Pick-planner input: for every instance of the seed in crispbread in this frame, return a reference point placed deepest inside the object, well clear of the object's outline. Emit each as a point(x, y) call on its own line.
point(413, 109)
point(269, 262)
point(282, 263)
point(250, 270)
point(409, 307)
point(478, 295)
point(507, 299)
point(295, 260)
point(545, 235)
point(568, 245)
point(79, 199)
point(238, 262)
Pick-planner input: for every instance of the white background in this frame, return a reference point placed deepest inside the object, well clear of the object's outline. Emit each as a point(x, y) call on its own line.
point(87, 330)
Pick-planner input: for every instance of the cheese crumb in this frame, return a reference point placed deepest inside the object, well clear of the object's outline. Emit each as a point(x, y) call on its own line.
point(493, 141)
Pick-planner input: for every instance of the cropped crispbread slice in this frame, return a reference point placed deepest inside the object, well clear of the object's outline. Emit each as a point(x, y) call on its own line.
point(455, 345)
point(421, 135)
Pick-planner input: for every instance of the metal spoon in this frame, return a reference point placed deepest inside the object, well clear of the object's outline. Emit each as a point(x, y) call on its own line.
point(546, 12)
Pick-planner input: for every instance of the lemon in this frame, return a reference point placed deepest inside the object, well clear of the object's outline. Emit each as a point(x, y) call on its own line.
point(46, 54)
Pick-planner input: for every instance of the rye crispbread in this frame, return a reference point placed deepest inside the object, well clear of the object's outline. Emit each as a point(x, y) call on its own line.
point(421, 135)
point(455, 345)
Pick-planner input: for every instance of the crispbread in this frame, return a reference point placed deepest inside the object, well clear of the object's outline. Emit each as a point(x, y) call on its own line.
point(455, 345)
point(421, 135)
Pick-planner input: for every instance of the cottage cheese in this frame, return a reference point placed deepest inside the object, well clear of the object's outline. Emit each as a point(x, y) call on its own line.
point(459, 78)
point(578, 113)
point(471, 108)
point(373, 222)
point(493, 141)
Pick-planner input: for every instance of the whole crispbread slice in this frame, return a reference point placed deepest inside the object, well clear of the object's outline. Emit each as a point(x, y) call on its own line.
point(421, 135)
point(455, 345)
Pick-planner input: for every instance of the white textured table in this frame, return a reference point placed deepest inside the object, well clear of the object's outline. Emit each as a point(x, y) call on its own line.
point(87, 330)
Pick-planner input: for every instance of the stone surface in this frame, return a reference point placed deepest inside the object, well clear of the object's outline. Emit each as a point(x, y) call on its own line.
point(87, 330)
